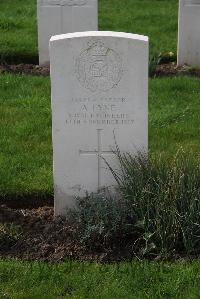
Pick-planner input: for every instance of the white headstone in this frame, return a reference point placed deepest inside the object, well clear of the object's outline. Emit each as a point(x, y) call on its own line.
point(63, 16)
point(99, 90)
point(189, 32)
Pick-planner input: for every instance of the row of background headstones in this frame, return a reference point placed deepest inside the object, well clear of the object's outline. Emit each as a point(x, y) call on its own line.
point(64, 16)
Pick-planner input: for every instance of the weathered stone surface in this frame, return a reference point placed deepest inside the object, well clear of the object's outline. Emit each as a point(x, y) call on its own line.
point(99, 90)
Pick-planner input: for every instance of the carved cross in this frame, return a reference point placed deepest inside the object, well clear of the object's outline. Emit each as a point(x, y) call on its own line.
point(99, 152)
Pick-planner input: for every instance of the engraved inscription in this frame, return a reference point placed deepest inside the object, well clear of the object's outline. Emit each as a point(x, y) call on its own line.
point(65, 2)
point(99, 111)
point(99, 152)
point(98, 68)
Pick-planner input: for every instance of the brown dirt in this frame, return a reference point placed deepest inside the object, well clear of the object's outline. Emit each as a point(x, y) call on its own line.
point(34, 234)
point(170, 69)
point(28, 69)
point(37, 235)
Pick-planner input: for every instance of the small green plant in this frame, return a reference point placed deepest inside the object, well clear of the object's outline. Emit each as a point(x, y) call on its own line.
point(103, 219)
point(153, 62)
point(9, 233)
point(156, 211)
point(162, 58)
point(166, 57)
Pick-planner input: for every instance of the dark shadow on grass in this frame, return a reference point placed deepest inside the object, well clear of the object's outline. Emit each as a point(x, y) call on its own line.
point(27, 201)
point(18, 59)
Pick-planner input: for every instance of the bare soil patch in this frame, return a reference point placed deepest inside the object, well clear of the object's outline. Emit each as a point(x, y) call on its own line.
point(28, 69)
point(163, 70)
point(171, 69)
point(34, 234)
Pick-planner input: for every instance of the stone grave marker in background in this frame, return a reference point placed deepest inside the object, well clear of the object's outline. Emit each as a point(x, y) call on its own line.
point(63, 16)
point(99, 90)
point(189, 32)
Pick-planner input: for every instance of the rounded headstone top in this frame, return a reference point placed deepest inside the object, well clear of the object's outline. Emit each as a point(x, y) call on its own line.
point(88, 34)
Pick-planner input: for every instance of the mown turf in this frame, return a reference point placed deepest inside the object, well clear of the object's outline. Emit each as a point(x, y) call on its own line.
point(18, 31)
point(174, 115)
point(25, 134)
point(154, 18)
point(157, 19)
point(78, 280)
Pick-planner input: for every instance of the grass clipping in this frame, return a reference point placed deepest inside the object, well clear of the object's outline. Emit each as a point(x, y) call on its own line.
point(155, 214)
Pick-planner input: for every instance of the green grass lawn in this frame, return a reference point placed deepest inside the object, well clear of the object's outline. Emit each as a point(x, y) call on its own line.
point(18, 31)
point(82, 280)
point(154, 18)
point(25, 135)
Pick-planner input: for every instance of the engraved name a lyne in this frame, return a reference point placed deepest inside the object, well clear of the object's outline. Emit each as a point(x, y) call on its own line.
point(99, 110)
point(64, 2)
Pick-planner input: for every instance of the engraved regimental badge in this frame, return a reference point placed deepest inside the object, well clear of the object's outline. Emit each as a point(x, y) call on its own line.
point(98, 67)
